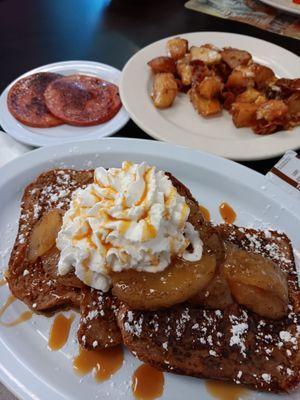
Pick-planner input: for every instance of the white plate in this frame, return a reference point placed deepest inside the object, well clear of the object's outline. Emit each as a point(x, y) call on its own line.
point(10, 148)
point(180, 124)
point(64, 133)
point(26, 366)
point(285, 5)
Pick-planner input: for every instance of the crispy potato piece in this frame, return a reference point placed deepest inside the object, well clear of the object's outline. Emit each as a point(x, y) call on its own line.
point(228, 98)
point(185, 70)
point(222, 70)
point(235, 57)
point(207, 54)
point(240, 79)
point(272, 110)
point(200, 71)
point(164, 90)
point(151, 291)
point(162, 64)
point(204, 106)
point(209, 87)
point(177, 47)
point(256, 282)
point(250, 95)
point(263, 76)
point(243, 114)
point(293, 104)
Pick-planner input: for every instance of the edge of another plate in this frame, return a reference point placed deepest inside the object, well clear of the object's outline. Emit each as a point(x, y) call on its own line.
point(27, 135)
point(158, 127)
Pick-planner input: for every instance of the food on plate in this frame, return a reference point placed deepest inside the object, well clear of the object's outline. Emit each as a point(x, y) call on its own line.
point(131, 249)
point(162, 64)
point(25, 100)
point(228, 78)
point(177, 48)
point(43, 235)
point(82, 100)
point(164, 90)
point(45, 100)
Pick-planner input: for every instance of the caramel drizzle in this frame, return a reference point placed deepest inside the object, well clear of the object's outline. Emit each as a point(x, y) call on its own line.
point(225, 391)
point(59, 332)
point(26, 315)
point(147, 383)
point(227, 213)
point(205, 212)
point(3, 282)
point(105, 362)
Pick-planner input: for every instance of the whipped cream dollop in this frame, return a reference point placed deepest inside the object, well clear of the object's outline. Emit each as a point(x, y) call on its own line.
point(130, 217)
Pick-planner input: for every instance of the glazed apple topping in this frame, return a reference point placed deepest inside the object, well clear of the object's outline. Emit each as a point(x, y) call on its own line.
point(176, 284)
point(256, 282)
point(43, 235)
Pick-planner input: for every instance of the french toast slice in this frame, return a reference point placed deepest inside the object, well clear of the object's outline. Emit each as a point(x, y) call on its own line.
point(98, 325)
point(35, 282)
point(233, 344)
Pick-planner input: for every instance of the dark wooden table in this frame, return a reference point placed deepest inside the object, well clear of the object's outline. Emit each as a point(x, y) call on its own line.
point(37, 32)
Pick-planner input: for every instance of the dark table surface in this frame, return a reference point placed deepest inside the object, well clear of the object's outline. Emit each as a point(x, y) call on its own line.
point(37, 32)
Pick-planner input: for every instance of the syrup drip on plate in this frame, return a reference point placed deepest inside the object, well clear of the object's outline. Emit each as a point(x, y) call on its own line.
point(225, 391)
point(147, 383)
point(205, 212)
point(25, 316)
point(104, 362)
point(59, 332)
point(2, 282)
point(227, 213)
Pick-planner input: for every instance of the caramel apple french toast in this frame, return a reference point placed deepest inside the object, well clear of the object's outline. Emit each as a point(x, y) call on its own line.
point(130, 248)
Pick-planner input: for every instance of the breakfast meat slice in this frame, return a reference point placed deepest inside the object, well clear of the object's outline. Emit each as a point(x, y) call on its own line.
point(233, 344)
point(35, 282)
point(98, 326)
point(25, 100)
point(83, 100)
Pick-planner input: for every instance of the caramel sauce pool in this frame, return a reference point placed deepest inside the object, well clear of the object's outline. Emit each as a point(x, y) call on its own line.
point(25, 316)
point(225, 391)
point(147, 383)
point(105, 362)
point(227, 213)
point(204, 211)
point(59, 332)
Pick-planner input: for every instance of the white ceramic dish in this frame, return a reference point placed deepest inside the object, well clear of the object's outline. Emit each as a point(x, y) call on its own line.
point(26, 366)
point(64, 133)
point(10, 148)
point(180, 124)
point(284, 5)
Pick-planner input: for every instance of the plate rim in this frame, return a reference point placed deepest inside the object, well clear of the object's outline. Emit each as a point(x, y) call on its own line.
point(282, 7)
point(25, 138)
point(32, 159)
point(150, 128)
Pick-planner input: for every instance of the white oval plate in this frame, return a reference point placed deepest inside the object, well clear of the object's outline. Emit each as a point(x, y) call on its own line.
point(10, 148)
point(285, 5)
point(27, 367)
point(180, 124)
point(64, 133)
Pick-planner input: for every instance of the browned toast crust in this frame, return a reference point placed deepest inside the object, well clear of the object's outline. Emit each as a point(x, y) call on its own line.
point(98, 326)
point(31, 282)
point(234, 344)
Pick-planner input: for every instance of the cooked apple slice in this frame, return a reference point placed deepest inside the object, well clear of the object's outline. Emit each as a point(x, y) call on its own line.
point(43, 235)
point(256, 282)
point(150, 291)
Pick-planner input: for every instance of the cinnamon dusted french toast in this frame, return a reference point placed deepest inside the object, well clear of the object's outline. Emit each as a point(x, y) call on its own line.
point(232, 344)
point(31, 272)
